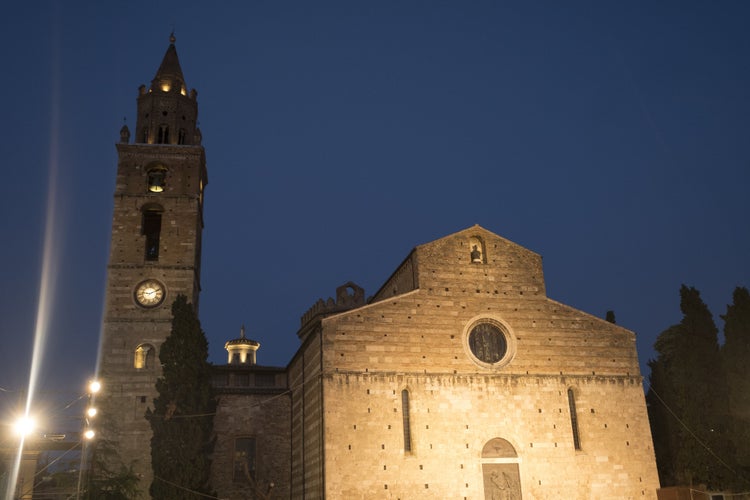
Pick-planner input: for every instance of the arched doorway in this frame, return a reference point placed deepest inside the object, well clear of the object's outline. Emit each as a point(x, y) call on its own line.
point(502, 479)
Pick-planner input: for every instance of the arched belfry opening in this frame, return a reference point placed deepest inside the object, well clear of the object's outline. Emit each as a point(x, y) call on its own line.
point(157, 174)
point(500, 471)
point(151, 229)
point(162, 136)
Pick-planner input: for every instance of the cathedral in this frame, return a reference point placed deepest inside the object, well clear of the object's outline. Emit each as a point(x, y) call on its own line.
point(459, 378)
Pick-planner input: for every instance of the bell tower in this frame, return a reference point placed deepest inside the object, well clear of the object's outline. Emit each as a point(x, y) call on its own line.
point(155, 252)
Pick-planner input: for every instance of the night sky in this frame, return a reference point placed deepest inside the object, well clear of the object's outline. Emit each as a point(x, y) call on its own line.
point(612, 138)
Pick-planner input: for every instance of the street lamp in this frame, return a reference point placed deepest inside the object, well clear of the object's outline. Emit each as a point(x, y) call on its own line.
point(94, 386)
point(24, 426)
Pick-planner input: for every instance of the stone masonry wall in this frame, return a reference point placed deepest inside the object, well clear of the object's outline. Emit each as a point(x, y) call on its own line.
point(417, 342)
point(307, 425)
point(264, 417)
point(452, 417)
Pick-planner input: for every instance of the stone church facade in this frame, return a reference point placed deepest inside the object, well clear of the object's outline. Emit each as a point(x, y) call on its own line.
point(459, 378)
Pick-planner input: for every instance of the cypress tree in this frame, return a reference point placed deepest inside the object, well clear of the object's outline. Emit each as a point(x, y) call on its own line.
point(689, 383)
point(657, 402)
point(735, 355)
point(182, 418)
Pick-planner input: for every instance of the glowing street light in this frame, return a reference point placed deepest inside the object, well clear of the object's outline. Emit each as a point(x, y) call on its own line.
point(24, 426)
point(94, 386)
point(89, 433)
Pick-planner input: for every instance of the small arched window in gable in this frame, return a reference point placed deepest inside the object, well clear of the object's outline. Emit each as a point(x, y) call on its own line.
point(477, 254)
point(144, 357)
point(157, 175)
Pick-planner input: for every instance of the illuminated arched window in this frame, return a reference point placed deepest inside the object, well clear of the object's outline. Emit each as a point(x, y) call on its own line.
point(574, 419)
point(144, 357)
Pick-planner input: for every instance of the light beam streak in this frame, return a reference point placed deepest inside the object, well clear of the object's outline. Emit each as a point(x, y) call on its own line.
point(49, 260)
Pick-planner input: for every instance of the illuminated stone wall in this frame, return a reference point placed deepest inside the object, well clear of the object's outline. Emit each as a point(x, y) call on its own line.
point(458, 403)
point(480, 424)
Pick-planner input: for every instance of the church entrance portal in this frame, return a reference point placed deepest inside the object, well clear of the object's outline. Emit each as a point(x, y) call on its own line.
point(502, 479)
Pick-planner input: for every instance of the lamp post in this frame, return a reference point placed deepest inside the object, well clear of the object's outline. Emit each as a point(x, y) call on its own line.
point(23, 428)
point(88, 431)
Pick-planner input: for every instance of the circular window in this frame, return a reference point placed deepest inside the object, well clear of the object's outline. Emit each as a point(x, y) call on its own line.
point(489, 342)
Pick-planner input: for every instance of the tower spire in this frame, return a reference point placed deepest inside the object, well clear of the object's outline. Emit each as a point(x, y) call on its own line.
point(167, 112)
point(169, 76)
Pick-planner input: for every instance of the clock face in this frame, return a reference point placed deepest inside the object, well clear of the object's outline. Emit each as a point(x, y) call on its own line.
point(149, 293)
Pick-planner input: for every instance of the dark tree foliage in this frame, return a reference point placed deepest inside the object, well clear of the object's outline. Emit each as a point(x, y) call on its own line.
point(110, 479)
point(687, 401)
point(736, 356)
point(107, 477)
point(610, 316)
point(182, 418)
point(659, 399)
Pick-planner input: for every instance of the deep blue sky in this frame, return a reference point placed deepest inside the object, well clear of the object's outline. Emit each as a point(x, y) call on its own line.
point(612, 138)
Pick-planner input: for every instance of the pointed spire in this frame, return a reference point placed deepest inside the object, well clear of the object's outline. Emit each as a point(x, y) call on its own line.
point(169, 75)
point(167, 112)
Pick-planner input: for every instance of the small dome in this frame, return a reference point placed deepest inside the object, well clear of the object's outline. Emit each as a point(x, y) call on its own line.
point(242, 350)
point(242, 340)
